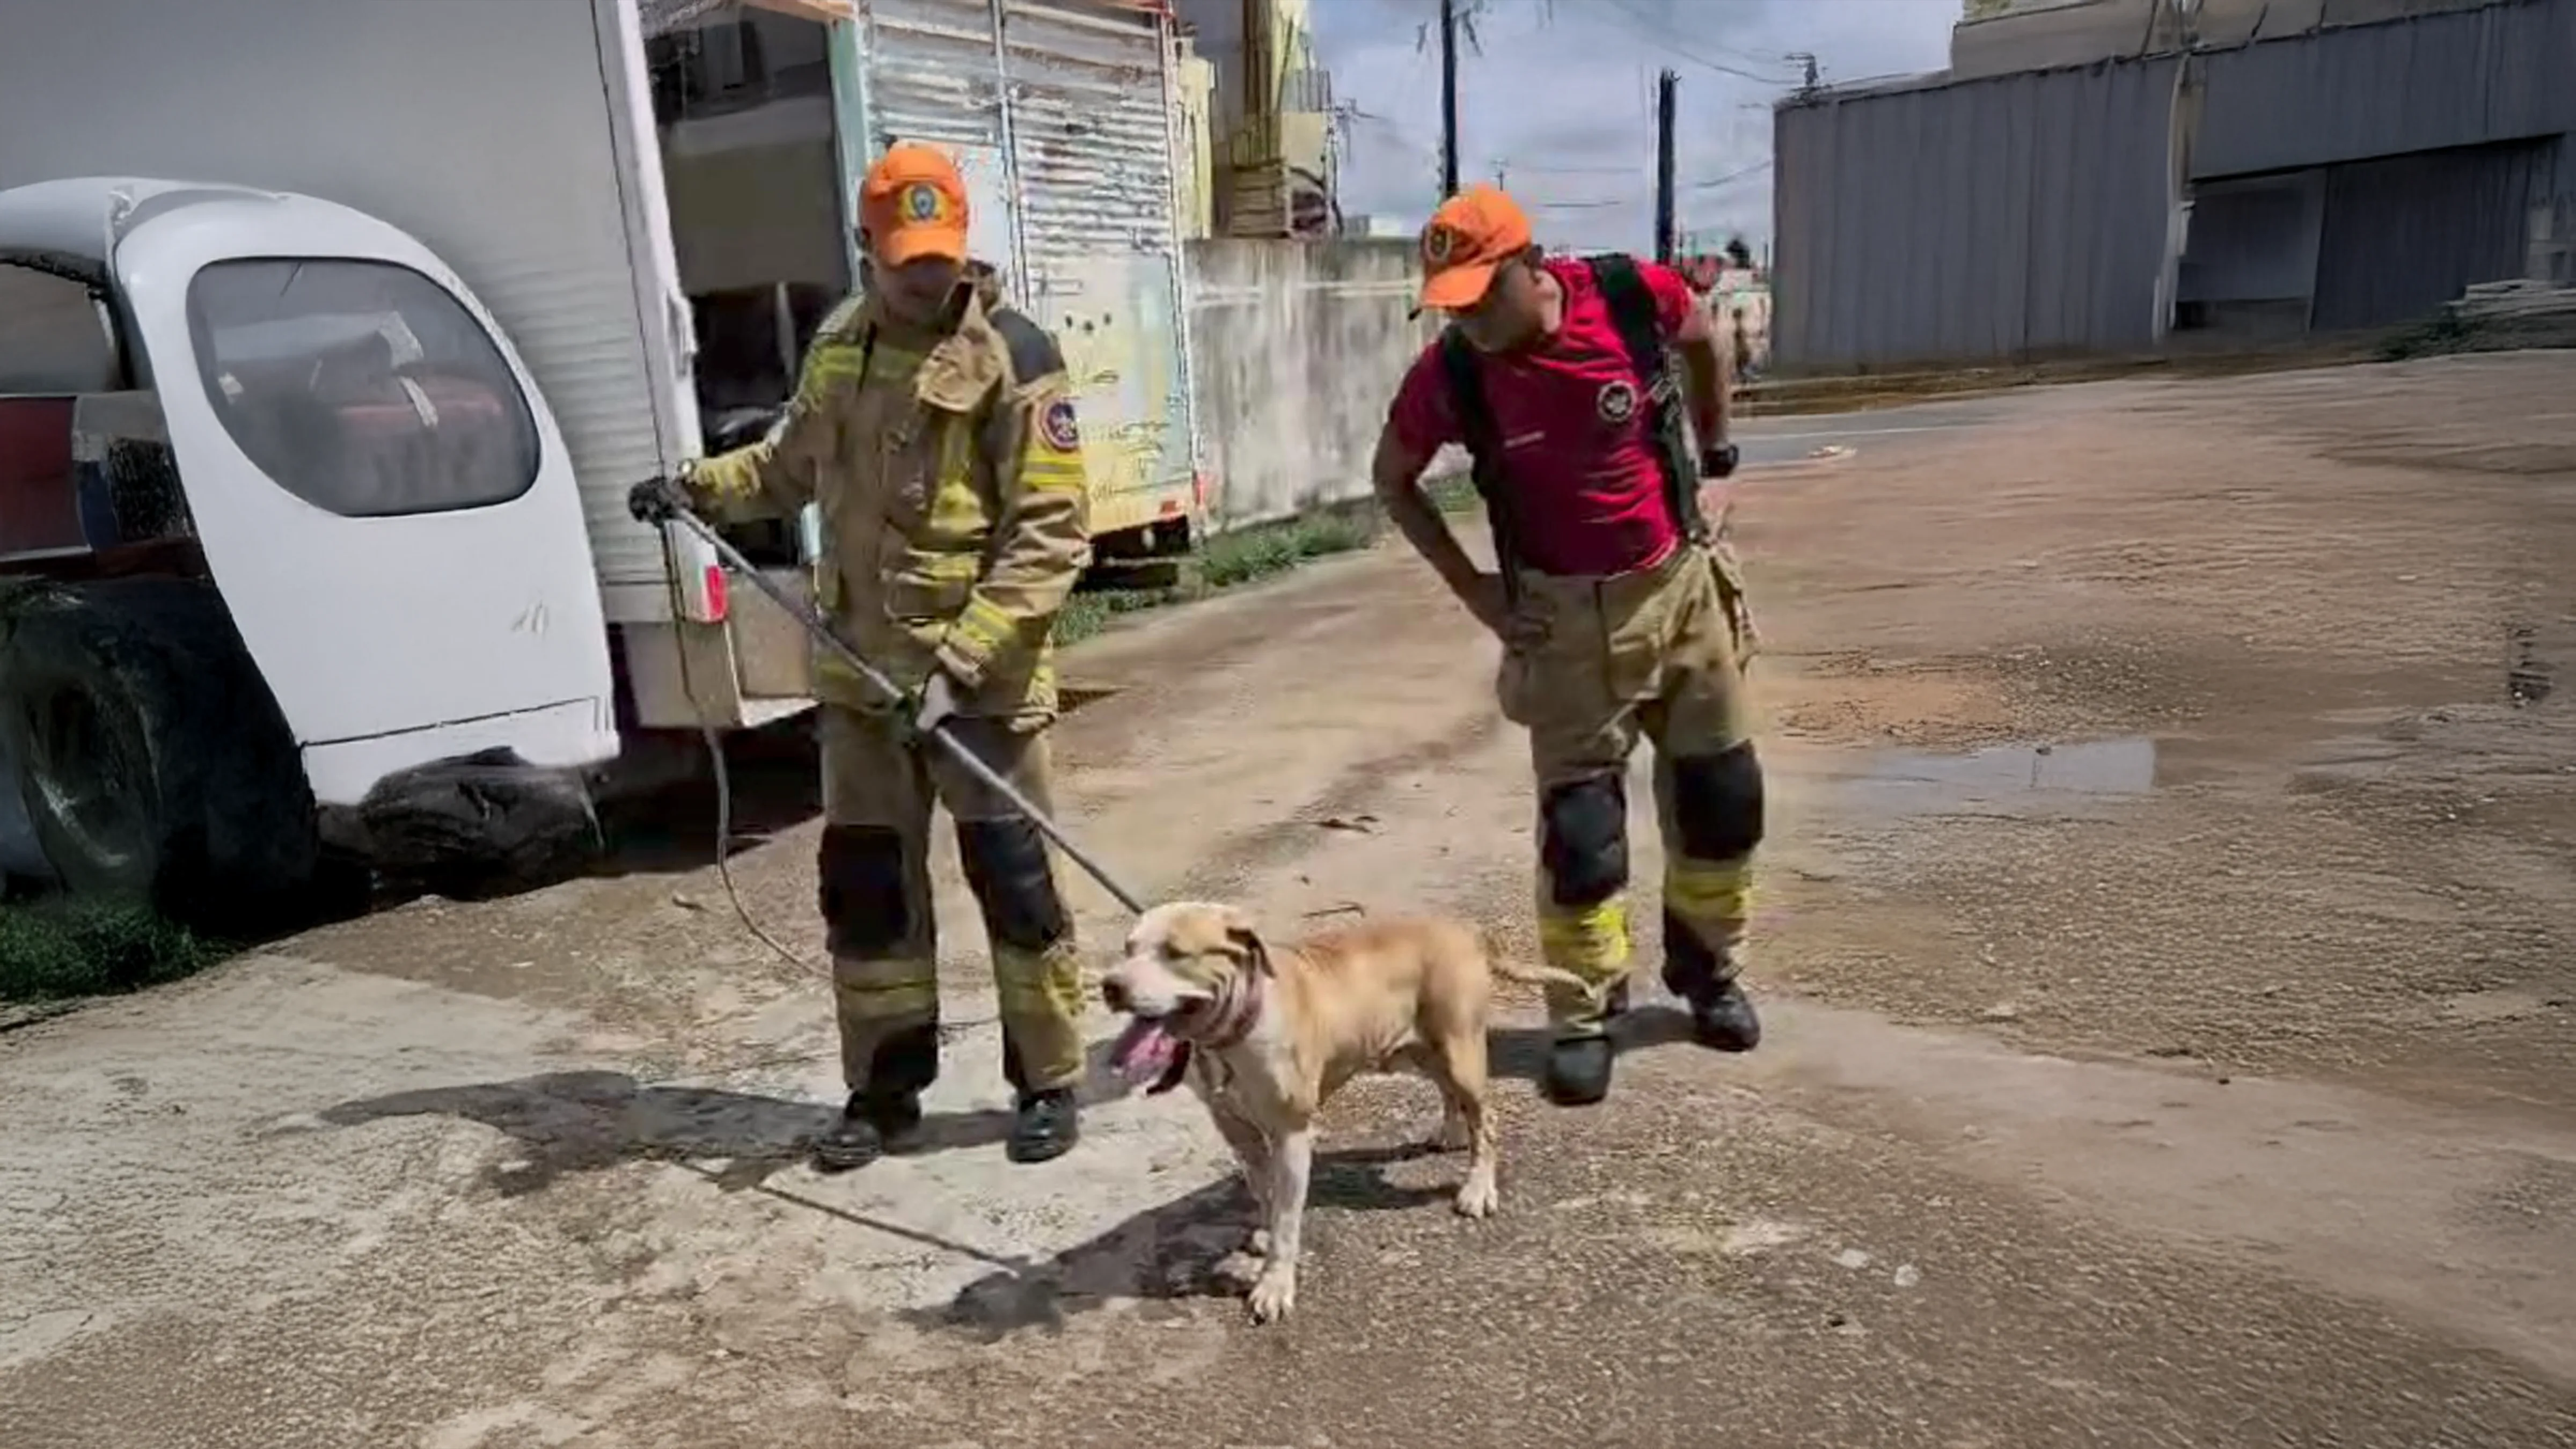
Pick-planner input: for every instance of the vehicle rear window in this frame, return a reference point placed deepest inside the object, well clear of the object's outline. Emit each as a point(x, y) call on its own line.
point(361, 387)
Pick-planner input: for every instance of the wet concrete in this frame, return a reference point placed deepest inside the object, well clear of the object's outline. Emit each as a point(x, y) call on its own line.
point(2165, 932)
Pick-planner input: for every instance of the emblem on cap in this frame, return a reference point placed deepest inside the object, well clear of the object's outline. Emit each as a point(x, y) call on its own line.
point(1058, 426)
point(921, 202)
point(1617, 402)
point(1437, 243)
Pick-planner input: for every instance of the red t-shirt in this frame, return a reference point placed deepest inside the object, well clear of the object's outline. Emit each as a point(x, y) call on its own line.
point(1586, 485)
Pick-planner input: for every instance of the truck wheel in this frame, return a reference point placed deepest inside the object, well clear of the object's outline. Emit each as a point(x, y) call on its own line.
point(154, 764)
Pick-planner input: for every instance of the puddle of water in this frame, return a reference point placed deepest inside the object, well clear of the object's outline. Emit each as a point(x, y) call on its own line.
point(2025, 776)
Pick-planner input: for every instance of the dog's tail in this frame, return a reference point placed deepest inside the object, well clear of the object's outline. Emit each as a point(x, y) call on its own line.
point(1511, 970)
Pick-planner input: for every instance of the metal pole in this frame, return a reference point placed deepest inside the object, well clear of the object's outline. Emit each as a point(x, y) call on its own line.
point(1665, 86)
point(824, 634)
point(1448, 99)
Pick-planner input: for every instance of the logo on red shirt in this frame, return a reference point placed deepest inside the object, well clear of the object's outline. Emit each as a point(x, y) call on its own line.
point(1617, 402)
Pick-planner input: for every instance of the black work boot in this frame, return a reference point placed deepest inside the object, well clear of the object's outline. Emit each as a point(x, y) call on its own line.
point(1045, 1126)
point(1578, 1064)
point(1722, 1016)
point(872, 1125)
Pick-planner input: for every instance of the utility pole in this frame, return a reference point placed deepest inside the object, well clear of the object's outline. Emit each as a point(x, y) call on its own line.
point(1448, 99)
point(1665, 87)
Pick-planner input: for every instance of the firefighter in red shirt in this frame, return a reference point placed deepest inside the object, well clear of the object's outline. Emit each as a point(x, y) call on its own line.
point(1621, 615)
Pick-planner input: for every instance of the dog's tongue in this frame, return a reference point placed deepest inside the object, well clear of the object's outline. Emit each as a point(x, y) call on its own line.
point(1144, 1051)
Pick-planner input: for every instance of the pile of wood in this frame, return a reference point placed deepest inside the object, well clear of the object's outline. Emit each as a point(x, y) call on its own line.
point(2518, 313)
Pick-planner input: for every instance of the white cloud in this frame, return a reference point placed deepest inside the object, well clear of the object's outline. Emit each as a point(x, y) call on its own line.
point(1562, 95)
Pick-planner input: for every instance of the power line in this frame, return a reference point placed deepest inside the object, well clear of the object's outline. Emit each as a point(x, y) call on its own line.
point(1657, 30)
point(1731, 177)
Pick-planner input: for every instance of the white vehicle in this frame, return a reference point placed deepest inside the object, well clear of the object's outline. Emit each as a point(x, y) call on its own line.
point(334, 332)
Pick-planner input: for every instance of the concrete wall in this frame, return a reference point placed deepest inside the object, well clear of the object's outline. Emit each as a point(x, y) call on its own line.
point(1297, 348)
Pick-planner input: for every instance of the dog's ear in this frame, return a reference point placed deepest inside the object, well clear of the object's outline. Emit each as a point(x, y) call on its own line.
point(1247, 941)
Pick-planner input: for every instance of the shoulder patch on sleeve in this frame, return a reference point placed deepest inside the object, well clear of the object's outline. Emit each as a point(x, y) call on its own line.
point(1033, 352)
point(1058, 427)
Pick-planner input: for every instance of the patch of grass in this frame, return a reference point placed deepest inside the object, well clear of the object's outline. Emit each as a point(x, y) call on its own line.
point(1243, 556)
point(53, 948)
point(2442, 333)
point(1231, 560)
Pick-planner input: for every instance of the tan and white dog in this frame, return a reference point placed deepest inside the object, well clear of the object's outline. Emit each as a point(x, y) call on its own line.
point(1266, 1034)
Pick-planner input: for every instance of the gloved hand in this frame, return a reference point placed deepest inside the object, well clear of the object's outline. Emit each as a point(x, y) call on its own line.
point(937, 701)
point(656, 500)
point(1718, 462)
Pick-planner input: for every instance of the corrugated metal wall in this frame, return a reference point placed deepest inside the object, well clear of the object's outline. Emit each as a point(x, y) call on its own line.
point(932, 73)
point(2463, 78)
point(2406, 234)
point(1069, 159)
point(1988, 218)
point(1093, 141)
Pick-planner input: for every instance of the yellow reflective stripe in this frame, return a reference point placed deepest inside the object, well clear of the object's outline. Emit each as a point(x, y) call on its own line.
point(943, 567)
point(1043, 983)
point(882, 990)
point(1590, 941)
point(1704, 893)
point(1052, 473)
point(956, 509)
point(986, 625)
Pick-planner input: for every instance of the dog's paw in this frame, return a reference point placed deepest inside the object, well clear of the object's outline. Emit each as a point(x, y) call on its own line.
point(1273, 1294)
point(1241, 1269)
point(1258, 1245)
point(1478, 1197)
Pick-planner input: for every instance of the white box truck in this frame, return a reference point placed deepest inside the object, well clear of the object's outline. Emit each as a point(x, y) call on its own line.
point(333, 333)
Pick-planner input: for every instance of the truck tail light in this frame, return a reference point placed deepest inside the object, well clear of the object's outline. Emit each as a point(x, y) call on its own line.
point(719, 599)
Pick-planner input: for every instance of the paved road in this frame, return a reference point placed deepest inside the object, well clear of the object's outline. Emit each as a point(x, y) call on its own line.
point(2166, 936)
point(1797, 438)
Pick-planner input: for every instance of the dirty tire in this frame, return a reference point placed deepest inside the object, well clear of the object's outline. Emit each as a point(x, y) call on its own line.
point(154, 763)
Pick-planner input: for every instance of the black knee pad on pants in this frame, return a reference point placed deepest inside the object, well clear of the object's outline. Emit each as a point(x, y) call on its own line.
point(1006, 867)
point(1583, 838)
point(861, 879)
point(1717, 802)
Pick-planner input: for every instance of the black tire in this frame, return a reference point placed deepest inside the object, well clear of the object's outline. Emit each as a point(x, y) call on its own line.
point(154, 762)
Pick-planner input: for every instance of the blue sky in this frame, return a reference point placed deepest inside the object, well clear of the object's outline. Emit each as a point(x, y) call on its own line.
point(1562, 95)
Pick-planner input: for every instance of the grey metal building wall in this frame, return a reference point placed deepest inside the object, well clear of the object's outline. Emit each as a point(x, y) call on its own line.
point(2405, 234)
point(2434, 138)
point(1975, 219)
point(2463, 78)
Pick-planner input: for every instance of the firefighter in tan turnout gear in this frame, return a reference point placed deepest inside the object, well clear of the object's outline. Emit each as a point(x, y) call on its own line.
point(1621, 612)
point(933, 427)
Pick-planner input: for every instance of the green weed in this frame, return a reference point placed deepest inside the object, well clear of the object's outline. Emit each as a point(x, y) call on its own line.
point(53, 948)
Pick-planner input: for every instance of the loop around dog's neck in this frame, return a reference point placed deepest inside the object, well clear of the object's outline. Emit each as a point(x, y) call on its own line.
point(1231, 1016)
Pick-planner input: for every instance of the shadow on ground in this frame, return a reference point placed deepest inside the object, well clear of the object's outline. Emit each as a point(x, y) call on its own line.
point(567, 1123)
point(1169, 1253)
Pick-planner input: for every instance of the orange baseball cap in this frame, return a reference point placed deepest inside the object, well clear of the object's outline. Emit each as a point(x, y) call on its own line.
point(1472, 234)
point(913, 204)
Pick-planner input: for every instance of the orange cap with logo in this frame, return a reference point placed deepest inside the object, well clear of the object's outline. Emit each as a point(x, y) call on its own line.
point(913, 204)
point(1472, 234)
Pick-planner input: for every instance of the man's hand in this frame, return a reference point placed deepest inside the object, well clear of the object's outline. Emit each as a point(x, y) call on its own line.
point(936, 702)
point(656, 500)
point(1491, 604)
point(1718, 461)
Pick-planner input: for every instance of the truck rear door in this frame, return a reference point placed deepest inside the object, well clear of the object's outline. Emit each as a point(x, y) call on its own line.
point(381, 494)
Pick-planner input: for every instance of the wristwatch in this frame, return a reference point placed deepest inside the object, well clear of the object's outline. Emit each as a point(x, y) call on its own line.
point(1717, 462)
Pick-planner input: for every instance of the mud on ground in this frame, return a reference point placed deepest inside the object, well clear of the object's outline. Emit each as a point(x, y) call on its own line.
point(2165, 945)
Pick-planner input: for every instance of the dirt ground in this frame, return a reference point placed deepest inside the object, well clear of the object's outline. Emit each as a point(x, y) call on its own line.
point(2169, 952)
